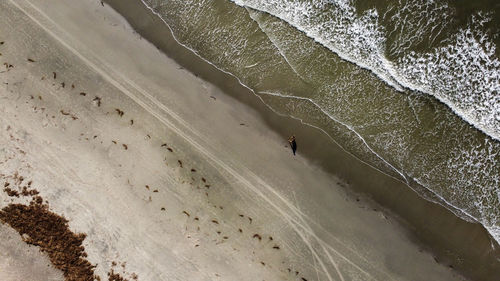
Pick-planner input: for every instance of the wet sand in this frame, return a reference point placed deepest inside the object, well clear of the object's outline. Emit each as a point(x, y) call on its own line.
point(430, 225)
point(169, 177)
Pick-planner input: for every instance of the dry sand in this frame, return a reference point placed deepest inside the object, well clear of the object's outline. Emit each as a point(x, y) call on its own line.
point(154, 166)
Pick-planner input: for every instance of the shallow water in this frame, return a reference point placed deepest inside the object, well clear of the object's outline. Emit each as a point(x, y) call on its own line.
point(409, 87)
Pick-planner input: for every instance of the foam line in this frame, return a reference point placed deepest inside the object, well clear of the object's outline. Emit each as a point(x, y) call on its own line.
point(369, 53)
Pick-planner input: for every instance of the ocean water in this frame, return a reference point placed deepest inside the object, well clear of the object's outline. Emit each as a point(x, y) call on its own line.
point(411, 87)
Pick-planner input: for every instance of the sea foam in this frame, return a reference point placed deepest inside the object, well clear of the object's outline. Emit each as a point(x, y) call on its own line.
point(464, 74)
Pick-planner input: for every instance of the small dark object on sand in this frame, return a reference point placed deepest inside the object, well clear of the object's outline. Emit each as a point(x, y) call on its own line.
point(11, 192)
point(120, 112)
point(112, 276)
point(97, 100)
point(186, 213)
point(83, 94)
point(54, 74)
point(257, 236)
point(180, 163)
point(31, 60)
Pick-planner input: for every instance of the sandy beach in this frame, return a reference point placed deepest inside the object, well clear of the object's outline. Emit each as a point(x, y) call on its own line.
point(168, 177)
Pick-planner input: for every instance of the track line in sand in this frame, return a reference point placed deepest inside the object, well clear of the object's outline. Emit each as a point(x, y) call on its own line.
point(297, 222)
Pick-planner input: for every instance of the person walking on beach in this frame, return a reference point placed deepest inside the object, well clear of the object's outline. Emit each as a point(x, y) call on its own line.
point(293, 144)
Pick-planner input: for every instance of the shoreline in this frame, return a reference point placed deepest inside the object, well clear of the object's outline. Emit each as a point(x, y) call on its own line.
point(164, 174)
point(438, 234)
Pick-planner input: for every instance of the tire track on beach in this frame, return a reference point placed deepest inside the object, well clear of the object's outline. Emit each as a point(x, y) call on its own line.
point(297, 221)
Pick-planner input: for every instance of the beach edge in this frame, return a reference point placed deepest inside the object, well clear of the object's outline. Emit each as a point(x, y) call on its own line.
point(429, 224)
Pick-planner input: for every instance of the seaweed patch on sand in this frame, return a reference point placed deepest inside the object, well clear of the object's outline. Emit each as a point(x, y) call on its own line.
point(49, 231)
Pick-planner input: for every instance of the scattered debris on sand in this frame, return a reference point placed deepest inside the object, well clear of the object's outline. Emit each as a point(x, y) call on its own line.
point(119, 111)
point(97, 101)
point(112, 276)
point(11, 192)
point(257, 236)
